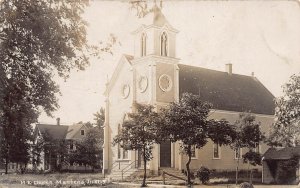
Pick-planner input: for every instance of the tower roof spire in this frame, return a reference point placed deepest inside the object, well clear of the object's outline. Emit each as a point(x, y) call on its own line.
point(159, 18)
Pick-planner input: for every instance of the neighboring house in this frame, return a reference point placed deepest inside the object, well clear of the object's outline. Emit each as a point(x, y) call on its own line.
point(271, 165)
point(154, 75)
point(63, 133)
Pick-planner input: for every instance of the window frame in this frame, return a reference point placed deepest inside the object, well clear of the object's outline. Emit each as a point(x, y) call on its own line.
point(166, 46)
point(120, 150)
point(219, 151)
point(195, 152)
point(82, 131)
point(240, 154)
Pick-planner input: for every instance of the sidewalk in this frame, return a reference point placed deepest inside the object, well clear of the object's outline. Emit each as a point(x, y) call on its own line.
point(134, 185)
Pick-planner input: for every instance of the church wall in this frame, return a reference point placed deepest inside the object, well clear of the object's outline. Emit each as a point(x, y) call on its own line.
point(227, 161)
point(165, 96)
point(118, 106)
point(142, 70)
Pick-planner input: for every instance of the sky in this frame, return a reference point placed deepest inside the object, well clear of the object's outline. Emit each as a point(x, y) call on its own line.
point(255, 36)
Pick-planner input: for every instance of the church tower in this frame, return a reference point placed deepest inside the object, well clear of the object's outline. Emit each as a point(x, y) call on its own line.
point(155, 50)
point(156, 73)
point(156, 38)
point(150, 76)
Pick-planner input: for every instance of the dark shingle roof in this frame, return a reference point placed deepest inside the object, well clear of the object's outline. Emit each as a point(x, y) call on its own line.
point(281, 154)
point(55, 131)
point(226, 92)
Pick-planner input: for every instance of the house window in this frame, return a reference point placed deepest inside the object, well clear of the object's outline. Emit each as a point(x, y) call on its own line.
point(143, 45)
point(82, 132)
point(121, 152)
point(257, 148)
point(71, 145)
point(238, 153)
point(193, 151)
point(125, 154)
point(216, 151)
point(164, 44)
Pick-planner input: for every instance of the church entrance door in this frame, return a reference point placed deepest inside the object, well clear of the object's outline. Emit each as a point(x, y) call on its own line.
point(165, 154)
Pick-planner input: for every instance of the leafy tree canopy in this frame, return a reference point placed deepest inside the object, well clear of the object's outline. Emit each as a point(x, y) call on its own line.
point(38, 40)
point(285, 130)
point(139, 132)
point(187, 121)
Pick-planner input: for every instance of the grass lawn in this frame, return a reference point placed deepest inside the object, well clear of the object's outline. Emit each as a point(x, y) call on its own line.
point(52, 180)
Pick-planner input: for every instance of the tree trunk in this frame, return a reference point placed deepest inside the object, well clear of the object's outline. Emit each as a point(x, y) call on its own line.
point(145, 165)
point(251, 175)
point(248, 171)
point(6, 165)
point(237, 171)
point(188, 167)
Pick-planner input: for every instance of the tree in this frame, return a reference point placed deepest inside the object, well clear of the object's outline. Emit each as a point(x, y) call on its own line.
point(55, 151)
point(248, 135)
point(99, 117)
point(191, 115)
point(38, 41)
point(139, 132)
point(88, 151)
point(252, 158)
point(285, 130)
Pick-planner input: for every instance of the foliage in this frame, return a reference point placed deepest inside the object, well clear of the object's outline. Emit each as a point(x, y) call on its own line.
point(253, 158)
point(139, 132)
point(38, 41)
point(285, 130)
point(141, 7)
point(191, 115)
point(286, 170)
point(99, 117)
point(248, 135)
point(88, 151)
point(246, 185)
point(203, 174)
point(55, 151)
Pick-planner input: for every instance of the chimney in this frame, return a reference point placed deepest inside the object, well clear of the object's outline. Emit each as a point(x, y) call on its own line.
point(229, 68)
point(252, 74)
point(58, 121)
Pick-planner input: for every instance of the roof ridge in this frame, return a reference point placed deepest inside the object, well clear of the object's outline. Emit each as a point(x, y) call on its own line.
point(217, 70)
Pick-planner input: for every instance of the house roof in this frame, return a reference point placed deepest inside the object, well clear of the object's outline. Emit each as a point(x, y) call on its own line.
point(282, 153)
point(225, 91)
point(55, 131)
point(72, 130)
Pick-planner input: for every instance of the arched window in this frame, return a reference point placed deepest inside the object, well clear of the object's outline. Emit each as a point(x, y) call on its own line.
point(143, 44)
point(164, 44)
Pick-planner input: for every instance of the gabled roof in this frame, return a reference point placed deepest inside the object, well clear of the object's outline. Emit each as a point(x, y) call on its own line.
point(55, 131)
point(282, 153)
point(72, 130)
point(232, 92)
point(125, 58)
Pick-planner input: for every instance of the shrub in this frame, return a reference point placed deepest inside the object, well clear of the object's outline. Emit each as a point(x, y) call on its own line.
point(246, 185)
point(286, 170)
point(203, 174)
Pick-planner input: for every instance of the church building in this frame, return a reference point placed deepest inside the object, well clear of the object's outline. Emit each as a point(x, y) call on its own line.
point(155, 75)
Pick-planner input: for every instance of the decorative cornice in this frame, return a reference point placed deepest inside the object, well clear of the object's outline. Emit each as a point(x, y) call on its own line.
point(163, 59)
point(152, 26)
